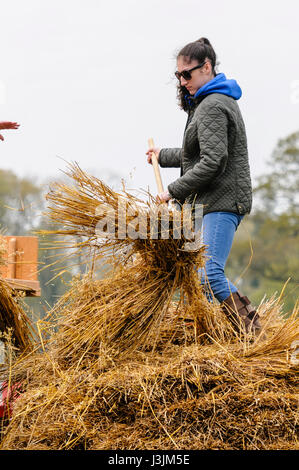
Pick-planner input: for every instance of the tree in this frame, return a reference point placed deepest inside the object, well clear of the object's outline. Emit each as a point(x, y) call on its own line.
point(278, 191)
point(21, 206)
point(273, 230)
point(20, 203)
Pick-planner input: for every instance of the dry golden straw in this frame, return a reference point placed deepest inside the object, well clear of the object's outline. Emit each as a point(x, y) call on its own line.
point(141, 360)
point(13, 317)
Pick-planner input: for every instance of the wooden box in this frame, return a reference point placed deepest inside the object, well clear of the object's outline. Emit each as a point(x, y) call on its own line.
point(21, 264)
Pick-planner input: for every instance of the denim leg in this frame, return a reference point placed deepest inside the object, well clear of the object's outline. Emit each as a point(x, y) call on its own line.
point(218, 230)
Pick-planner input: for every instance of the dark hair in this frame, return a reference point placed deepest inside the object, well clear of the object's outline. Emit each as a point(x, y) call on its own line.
point(198, 50)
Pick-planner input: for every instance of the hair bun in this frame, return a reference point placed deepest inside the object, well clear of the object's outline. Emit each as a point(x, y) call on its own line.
point(204, 41)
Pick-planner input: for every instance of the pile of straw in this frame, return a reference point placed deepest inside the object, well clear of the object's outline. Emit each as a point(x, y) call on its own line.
point(14, 319)
point(120, 364)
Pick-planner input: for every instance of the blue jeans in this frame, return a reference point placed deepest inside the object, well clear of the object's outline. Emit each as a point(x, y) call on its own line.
point(218, 230)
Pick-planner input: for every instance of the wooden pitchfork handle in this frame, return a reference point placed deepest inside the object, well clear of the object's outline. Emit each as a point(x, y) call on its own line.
point(156, 167)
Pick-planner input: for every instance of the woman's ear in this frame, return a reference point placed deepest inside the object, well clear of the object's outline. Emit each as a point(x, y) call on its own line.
point(207, 68)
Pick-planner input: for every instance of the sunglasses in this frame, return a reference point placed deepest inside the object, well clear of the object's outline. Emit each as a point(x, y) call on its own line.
point(186, 74)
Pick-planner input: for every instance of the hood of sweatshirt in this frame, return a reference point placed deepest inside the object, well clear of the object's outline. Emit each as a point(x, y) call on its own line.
point(219, 84)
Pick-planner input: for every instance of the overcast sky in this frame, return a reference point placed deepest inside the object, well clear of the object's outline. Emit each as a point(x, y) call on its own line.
point(91, 80)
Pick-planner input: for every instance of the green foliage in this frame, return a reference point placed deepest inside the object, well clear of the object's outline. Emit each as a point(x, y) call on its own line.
point(271, 243)
point(20, 203)
point(277, 191)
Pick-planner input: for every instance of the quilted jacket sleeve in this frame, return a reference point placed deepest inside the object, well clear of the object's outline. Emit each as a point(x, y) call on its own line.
point(212, 134)
point(170, 158)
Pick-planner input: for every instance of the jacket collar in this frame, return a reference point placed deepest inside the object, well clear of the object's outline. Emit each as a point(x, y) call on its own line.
point(219, 84)
point(194, 101)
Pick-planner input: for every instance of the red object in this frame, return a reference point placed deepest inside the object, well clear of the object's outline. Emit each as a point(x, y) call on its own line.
point(7, 397)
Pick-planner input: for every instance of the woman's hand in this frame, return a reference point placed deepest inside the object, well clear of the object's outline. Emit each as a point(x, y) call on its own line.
point(8, 125)
point(149, 153)
point(163, 197)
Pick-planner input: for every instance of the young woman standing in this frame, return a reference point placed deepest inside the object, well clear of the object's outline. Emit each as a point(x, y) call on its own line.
point(214, 169)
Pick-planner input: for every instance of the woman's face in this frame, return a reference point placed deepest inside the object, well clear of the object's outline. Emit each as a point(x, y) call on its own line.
point(199, 77)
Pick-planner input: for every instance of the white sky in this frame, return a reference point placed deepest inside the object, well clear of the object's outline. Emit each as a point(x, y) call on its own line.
point(91, 80)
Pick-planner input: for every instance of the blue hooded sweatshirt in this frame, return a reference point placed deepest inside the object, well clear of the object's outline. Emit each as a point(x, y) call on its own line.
point(219, 84)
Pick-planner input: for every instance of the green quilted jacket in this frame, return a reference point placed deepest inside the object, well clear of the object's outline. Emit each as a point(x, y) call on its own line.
point(213, 159)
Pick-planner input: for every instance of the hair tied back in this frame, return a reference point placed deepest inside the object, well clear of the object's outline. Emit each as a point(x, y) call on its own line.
point(204, 41)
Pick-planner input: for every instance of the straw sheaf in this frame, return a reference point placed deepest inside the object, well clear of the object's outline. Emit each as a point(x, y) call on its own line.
point(140, 293)
point(14, 318)
point(79, 208)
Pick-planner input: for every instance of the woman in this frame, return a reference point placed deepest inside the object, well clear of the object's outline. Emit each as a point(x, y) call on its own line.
point(214, 169)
